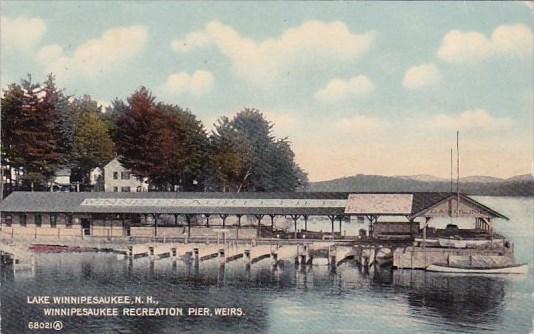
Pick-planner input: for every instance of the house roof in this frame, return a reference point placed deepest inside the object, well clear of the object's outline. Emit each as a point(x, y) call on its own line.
point(291, 203)
point(112, 161)
point(63, 172)
point(426, 204)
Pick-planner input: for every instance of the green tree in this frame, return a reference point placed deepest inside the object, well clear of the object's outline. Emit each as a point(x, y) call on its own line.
point(33, 140)
point(12, 102)
point(230, 158)
point(286, 173)
point(64, 121)
point(92, 144)
point(245, 156)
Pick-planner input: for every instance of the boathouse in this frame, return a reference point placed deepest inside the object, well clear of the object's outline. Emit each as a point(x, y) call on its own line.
point(238, 215)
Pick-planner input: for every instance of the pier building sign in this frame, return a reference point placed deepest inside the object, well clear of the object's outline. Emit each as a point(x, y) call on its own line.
point(389, 204)
point(449, 208)
point(213, 202)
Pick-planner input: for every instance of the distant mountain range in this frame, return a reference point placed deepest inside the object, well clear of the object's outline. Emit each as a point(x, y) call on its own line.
point(520, 185)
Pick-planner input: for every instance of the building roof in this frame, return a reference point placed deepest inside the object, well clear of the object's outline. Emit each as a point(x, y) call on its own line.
point(291, 203)
point(178, 202)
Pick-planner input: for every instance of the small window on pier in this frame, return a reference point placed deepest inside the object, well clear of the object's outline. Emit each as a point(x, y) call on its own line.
point(115, 175)
point(38, 220)
point(125, 189)
point(22, 220)
point(68, 221)
point(125, 175)
point(8, 219)
point(53, 220)
point(115, 189)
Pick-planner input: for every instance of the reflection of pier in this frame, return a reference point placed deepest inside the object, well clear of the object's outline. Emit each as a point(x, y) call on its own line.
point(231, 251)
point(20, 258)
point(460, 298)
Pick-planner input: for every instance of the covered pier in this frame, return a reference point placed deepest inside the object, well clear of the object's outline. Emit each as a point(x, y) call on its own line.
point(233, 216)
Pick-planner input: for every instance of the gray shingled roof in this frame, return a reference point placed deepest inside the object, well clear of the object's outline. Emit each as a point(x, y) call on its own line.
point(309, 203)
point(73, 202)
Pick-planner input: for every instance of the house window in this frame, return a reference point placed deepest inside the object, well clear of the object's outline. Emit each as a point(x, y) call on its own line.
point(38, 220)
point(8, 220)
point(125, 175)
point(22, 220)
point(125, 189)
point(115, 175)
point(115, 189)
point(68, 221)
point(53, 220)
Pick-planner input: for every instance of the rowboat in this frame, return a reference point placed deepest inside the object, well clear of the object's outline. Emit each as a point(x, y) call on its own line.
point(510, 269)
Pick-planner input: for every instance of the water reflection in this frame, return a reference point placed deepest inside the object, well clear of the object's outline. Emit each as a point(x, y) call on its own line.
point(464, 300)
point(452, 302)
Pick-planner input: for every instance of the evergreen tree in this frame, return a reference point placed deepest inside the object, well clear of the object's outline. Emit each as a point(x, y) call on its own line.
point(230, 158)
point(133, 134)
point(31, 132)
point(189, 149)
point(64, 123)
point(12, 100)
point(245, 156)
point(162, 142)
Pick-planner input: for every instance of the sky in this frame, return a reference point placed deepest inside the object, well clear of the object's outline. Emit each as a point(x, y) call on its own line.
point(357, 87)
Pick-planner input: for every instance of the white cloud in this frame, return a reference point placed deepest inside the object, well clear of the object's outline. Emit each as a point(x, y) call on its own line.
point(263, 62)
point(21, 33)
point(512, 40)
point(359, 124)
point(280, 119)
point(193, 40)
point(337, 89)
point(196, 84)
point(421, 76)
point(95, 56)
point(474, 119)
point(52, 55)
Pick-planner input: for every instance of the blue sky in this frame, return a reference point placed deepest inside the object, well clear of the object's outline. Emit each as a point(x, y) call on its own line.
point(358, 87)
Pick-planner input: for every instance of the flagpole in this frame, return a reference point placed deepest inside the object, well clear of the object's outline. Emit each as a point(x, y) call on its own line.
point(457, 173)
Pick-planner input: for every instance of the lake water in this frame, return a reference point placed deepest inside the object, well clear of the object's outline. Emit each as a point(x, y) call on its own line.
point(286, 299)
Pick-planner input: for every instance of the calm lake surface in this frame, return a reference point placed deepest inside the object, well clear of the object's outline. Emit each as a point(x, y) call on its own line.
point(286, 300)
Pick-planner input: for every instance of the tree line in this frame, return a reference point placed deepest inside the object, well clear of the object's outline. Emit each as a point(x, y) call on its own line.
point(45, 130)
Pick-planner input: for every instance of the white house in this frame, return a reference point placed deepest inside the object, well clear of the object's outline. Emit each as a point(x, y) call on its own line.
point(119, 179)
point(62, 177)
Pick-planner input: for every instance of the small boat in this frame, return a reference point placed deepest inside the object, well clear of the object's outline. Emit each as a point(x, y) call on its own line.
point(470, 243)
point(521, 268)
point(452, 243)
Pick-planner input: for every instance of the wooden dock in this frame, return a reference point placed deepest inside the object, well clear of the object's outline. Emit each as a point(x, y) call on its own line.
point(272, 251)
